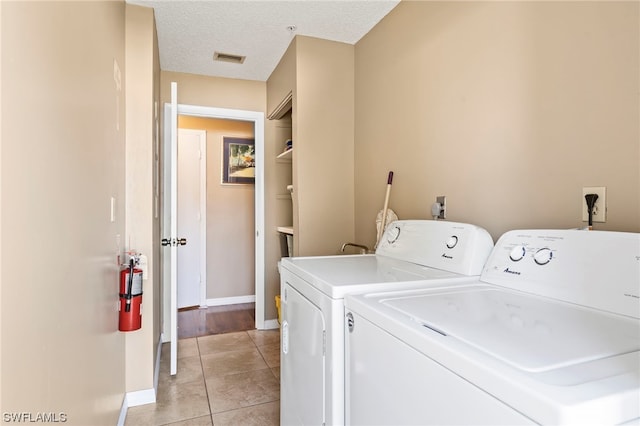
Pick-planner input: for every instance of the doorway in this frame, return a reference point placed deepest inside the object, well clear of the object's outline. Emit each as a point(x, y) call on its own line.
point(229, 213)
point(257, 119)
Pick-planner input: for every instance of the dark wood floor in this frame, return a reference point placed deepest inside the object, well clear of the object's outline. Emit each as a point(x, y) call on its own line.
point(216, 320)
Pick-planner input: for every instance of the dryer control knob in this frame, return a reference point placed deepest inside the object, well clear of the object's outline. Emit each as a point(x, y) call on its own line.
point(543, 256)
point(393, 234)
point(517, 253)
point(452, 241)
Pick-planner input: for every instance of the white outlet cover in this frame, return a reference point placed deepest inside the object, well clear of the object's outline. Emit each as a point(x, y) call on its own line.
point(600, 207)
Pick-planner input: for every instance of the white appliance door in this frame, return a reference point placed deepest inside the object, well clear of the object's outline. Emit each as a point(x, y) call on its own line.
point(390, 383)
point(302, 360)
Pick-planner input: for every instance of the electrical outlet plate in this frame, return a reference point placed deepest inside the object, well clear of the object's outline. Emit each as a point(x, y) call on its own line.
point(443, 209)
point(600, 207)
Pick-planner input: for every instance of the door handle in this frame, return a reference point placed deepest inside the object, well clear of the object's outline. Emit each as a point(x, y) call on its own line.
point(350, 322)
point(174, 242)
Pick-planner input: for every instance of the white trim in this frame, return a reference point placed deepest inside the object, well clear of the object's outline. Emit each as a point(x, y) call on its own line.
point(141, 397)
point(231, 300)
point(271, 324)
point(156, 374)
point(123, 411)
point(259, 217)
point(203, 220)
point(266, 324)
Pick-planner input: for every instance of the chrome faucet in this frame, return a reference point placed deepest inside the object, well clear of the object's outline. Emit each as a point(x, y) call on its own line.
point(363, 249)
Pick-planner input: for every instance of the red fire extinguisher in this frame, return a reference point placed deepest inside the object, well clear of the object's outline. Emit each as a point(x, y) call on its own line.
point(130, 297)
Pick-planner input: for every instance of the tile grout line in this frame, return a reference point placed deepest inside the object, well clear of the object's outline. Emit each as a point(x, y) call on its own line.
point(206, 389)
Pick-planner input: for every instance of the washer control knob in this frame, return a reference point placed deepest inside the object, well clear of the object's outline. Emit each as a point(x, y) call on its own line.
point(392, 234)
point(452, 241)
point(543, 256)
point(517, 253)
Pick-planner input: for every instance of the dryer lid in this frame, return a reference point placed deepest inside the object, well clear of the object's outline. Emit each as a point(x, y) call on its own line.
point(528, 332)
point(336, 276)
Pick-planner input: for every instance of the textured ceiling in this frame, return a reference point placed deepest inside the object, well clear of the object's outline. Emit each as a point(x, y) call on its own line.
point(189, 32)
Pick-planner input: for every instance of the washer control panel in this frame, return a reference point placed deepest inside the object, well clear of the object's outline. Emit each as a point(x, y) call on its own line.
point(541, 256)
point(592, 268)
point(452, 241)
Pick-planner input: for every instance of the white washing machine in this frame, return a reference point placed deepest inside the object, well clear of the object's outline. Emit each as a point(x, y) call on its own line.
point(549, 334)
point(411, 254)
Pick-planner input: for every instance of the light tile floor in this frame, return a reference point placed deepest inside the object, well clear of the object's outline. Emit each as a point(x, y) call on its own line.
point(223, 379)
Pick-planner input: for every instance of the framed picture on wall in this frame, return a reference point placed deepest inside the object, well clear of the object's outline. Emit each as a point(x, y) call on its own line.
point(238, 161)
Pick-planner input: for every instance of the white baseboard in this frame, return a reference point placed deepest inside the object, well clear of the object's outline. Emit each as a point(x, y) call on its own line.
point(141, 397)
point(156, 373)
point(147, 396)
point(268, 324)
point(123, 411)
point(231, 300)
point(271, 324)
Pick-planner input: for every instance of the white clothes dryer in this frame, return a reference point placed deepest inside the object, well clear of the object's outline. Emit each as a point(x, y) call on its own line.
point(549, 334)
point(411, 254)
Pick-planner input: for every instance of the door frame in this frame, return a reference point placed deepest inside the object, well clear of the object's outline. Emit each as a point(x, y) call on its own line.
point(258, 120)
point(202, 146)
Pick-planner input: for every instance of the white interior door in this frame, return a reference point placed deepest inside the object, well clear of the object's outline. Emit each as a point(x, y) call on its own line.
point(173, 225)
point(192, 217)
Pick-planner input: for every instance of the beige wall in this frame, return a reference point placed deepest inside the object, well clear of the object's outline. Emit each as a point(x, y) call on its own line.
point(282, 80)
point(62, 161)
point(323, 138)
point(506, 108)
point(142, 186)
point(320, 75)
point(230, 214)
point(215, 92)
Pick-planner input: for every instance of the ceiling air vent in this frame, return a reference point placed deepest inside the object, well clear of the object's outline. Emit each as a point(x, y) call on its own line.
point(227, 57)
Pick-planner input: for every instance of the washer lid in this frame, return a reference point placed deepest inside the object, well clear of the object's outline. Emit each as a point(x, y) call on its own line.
point(525, 331)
